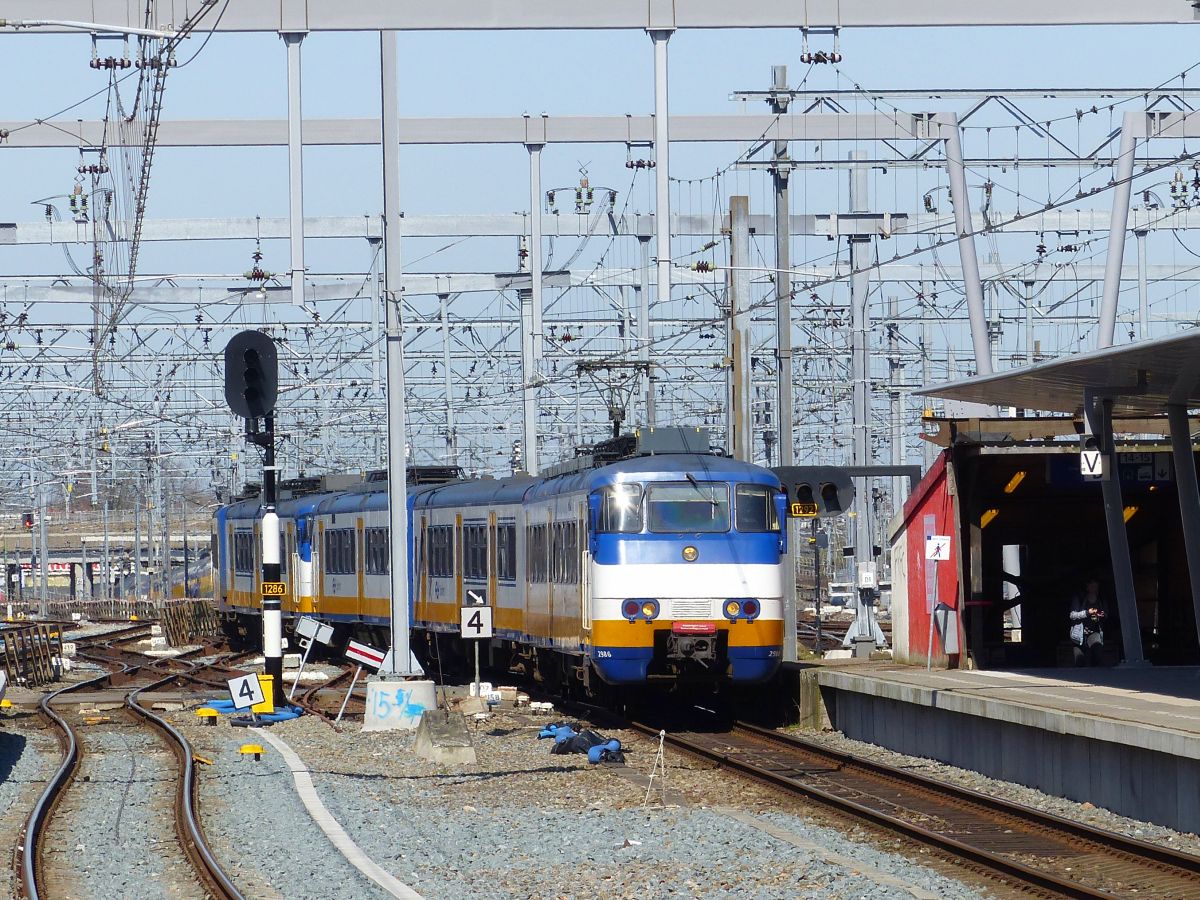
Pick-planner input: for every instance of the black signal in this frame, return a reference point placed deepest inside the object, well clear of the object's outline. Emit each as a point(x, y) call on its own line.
point(251, 374)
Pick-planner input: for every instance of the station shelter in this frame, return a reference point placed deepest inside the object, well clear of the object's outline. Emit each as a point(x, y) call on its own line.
point(1096, 479)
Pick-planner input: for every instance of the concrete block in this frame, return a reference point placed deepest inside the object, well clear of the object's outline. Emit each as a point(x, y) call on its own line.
point(156, 631)
point(508, 694)
point(397, 705)
point(158, 642)
point(442, 737)
point(68, 648)
point(291, 660)
point(471, 705)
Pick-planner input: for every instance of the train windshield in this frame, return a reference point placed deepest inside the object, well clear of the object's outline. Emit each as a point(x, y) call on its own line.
point(755, 508)
point(621, 508)
point(695, 506)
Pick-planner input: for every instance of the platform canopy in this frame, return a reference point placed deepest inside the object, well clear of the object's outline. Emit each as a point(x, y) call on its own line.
point(1142, 379)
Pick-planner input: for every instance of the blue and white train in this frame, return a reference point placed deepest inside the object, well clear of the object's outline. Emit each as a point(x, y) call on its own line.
point(665, 567)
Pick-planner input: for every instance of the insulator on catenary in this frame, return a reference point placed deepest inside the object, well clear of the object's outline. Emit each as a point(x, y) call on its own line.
point(702, 266)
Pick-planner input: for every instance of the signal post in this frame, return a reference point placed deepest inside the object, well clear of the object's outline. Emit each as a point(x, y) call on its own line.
point(251, 389)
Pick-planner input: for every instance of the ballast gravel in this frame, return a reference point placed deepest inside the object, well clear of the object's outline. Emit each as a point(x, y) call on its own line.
point(523, 823)
point(113, 833)
point(1086, 813)
point(28, 757)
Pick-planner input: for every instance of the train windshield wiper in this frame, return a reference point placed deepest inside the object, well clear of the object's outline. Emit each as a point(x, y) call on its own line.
point(711, 498)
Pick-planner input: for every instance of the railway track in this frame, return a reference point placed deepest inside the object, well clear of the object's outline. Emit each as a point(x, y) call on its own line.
point(134, 679)
point(1023, 847)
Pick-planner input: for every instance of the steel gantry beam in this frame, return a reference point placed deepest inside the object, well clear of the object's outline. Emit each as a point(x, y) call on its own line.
point(482, 130)
point(487, 15)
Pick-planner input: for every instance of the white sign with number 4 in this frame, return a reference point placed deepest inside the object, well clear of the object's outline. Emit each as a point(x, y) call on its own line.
point(246, 691)
point(476, 622)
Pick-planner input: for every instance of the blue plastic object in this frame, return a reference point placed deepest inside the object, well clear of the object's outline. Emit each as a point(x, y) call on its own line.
point(598, 753)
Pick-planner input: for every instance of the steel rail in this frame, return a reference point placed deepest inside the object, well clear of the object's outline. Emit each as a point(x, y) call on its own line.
point(188, 828)
point(1009, 869)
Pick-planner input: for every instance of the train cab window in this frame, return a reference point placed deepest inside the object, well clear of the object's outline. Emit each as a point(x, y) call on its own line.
point(621, 508)
point(688, 506)
point(755, 508)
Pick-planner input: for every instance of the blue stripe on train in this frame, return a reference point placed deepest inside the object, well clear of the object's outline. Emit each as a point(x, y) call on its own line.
point(713, 549)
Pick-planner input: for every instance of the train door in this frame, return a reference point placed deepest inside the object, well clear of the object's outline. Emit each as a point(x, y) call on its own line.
point(458, 561)
point(317, 538)
point(585, 575)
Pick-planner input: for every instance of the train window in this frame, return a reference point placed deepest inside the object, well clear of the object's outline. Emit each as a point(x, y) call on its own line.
point(506, 551)
point(537, 552)
point(621, 508)
point(475, 551)
point(378, 551)
point(441, 551)
point(755, 508)
point(340, 558)
point(688, 506)
point(243, 552)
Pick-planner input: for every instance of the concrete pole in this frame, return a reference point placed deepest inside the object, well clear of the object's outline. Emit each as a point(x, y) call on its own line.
point(451, 435)
point(1029, 323)
point(105, 569)
point(1189, 498)
point(928, 450)
point(1116, 230)
point(662, 184)
point(645, 337)
point(966, 245)
point(1143, 295)
point(295, 165)
point(741, 421)
point(402, 662)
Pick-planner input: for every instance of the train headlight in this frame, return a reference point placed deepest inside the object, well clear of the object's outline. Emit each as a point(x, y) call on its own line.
point(690, 554)
point(751, 609)
point(650, 610)
point(732, 609)
point(629, 609)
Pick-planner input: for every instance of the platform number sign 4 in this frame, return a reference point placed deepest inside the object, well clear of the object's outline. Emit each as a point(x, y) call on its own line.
point(476, 622)
point(246, 691)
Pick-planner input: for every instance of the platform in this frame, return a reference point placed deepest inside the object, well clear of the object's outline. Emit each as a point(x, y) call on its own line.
point(1124, 739)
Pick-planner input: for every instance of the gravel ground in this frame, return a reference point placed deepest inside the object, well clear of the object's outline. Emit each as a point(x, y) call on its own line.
point(525, 823)
point(113, 835)
point(258, 828)
point(28, 757)
point(1086, 813)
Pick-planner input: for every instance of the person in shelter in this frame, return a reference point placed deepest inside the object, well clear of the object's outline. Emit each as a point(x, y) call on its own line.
point(1087, 616)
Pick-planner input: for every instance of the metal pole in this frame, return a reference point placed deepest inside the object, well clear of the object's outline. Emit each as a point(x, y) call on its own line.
point(816, 539)
point(44, 542)
point(295, 165)
point(784, 411)
point(529, 438)
point(1122, 188)
point(860, 328)
point(1029, 323)
point(662, 184)
point(1118, 537)
point(1143, 295)
point(357, 671)
point(376, 305)
point(741, 421)
point(186, 573)
point(536, 263)
point(1189, 497)
point(105, 567)
point(137, 544)
point(272, 606)
point(645, 338)
point(397, 436)
point(448, 381)
point(966, 245)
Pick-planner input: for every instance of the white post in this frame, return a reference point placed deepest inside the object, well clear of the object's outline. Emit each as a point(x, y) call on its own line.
point(295, 166)
point(972, 286)
point(392, 269)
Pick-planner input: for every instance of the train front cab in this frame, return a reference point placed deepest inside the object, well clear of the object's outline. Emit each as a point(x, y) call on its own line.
point(687, 587)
